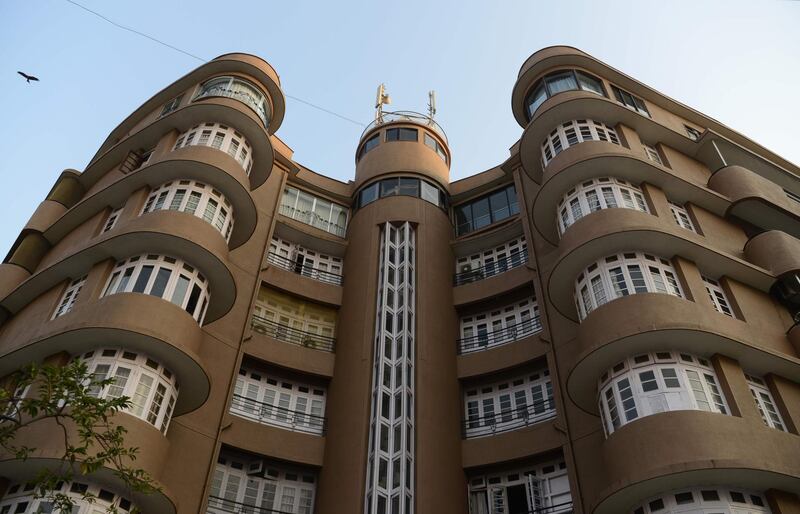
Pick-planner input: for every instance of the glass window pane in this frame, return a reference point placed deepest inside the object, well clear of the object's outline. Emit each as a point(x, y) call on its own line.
point(481, 214)
point(144, 276)
point(160, 283)
point(409, 187)
point(180, 290)
point(589, 83)
point(463, 215)
point(389, 187)
point(408, 134)
point(560, 82)
point(368, 195)
point(429, 193)
point(499, 205)
point(535, 99)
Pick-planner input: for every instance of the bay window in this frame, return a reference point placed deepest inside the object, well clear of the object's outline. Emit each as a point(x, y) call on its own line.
point(575, 132)
point(650, 383)
point(219, 137)
point(596, 194)
point(559, 82)
point(238, 89)
point(194, 198)
point(165, 277)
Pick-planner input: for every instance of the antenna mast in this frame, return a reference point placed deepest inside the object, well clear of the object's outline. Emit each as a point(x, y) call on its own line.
point(431, 105)
point(381, 98)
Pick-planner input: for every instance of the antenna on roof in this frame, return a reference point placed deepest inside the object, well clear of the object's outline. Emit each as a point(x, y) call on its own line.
point(381, 98)
point(431, 104)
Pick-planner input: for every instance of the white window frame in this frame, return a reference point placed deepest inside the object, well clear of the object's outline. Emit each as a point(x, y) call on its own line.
point(328, 221)
point(500, 325)
point(718, 297)
point(239, 89)
point(719, 500)
point(111, 220)
point(615, 276)
point(652, 153)
point(681, 216)
point(509, 404)
point(299, 259)
point(574, 132)
point(650, 383)
point(259, 484)
point(152, 388)
point(220, 137)
point(69, 297)
point(171, 105)
point(272, 399)
point(391, 451)
point(206, 203)
point(22, 497)
point(493, 261)
point(598, 194)
point(294, 319)
point(124, 277)
point(546, 484)
point(765, 403)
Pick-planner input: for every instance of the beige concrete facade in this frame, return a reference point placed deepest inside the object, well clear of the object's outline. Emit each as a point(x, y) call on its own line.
point(513, 361)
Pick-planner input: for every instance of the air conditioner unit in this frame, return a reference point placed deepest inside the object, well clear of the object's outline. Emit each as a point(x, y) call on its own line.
point(466, 268)
point(256, 468)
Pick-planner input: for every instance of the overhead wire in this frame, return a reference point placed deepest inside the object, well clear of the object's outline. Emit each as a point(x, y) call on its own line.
point(201, 59)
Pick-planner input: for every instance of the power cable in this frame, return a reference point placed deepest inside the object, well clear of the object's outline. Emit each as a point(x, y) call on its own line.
point(193, 56)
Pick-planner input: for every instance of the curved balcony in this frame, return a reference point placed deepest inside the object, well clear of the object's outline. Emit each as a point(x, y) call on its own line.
point(170, 233)
point(304, 270)
point(273, 415)
point(222, 110)
point(775, 251)
point(500, 337)
point(239, 89)
point(688, 448)
point(291, 335)
point(46, 437)
point(525, 442)
point(491, 269)
point(757, 199)
point(596, 159)
point(582, 105)
point(652, 322)
point(45, 215)
point(494, 286)
point(275, 442)
point(611, 231)
point(505, 421)
point(160, 329)
point(203, 164)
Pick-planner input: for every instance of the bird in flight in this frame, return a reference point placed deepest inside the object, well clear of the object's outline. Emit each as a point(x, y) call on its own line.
point(28, 78)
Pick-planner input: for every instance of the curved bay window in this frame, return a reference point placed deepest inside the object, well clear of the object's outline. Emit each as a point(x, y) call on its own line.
point(650, 383)
point(195, 198)
point(152, 388)
point(621, 275)
point(401, 186)
point(596, 194)
point(312, 210)
point(574, 132)
point(238, 89)
point(24, 497)
point(719, 500)
point(219, 137)
point(559, 82)
point(166, 277)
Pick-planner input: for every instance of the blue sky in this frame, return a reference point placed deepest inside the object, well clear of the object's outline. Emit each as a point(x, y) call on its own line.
point(737, 61)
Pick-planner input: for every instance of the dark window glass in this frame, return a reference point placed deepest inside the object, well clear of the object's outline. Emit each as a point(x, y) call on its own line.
point(656, 505)
point(499, 204)
point(409, 187)
point(368, 145)
point(590, 83)
point(481, 215)
point(389, 187)
point(630, 101)
point(141, 281)
point(710, 495)
point(536, 98)
point(430, 142)
point(463, 219)
point(513, 206)
point(693, 133)
point(160, 283)
point(737, 497)
point(368, 195)
point(408, 134)
point(392, 134)
point(560, 82)
point(190, 307)
point(684, 498)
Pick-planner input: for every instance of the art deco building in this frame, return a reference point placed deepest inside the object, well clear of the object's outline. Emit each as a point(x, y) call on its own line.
point(601, 324)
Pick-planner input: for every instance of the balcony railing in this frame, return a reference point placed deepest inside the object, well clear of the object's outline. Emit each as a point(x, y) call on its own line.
point(506, 420)
point(217, 505)
point(304, 269)
point(499, 337)
point(292, 335)
point(273, 415)
point(560, 508)
point(313, 219)
point(491, 268)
